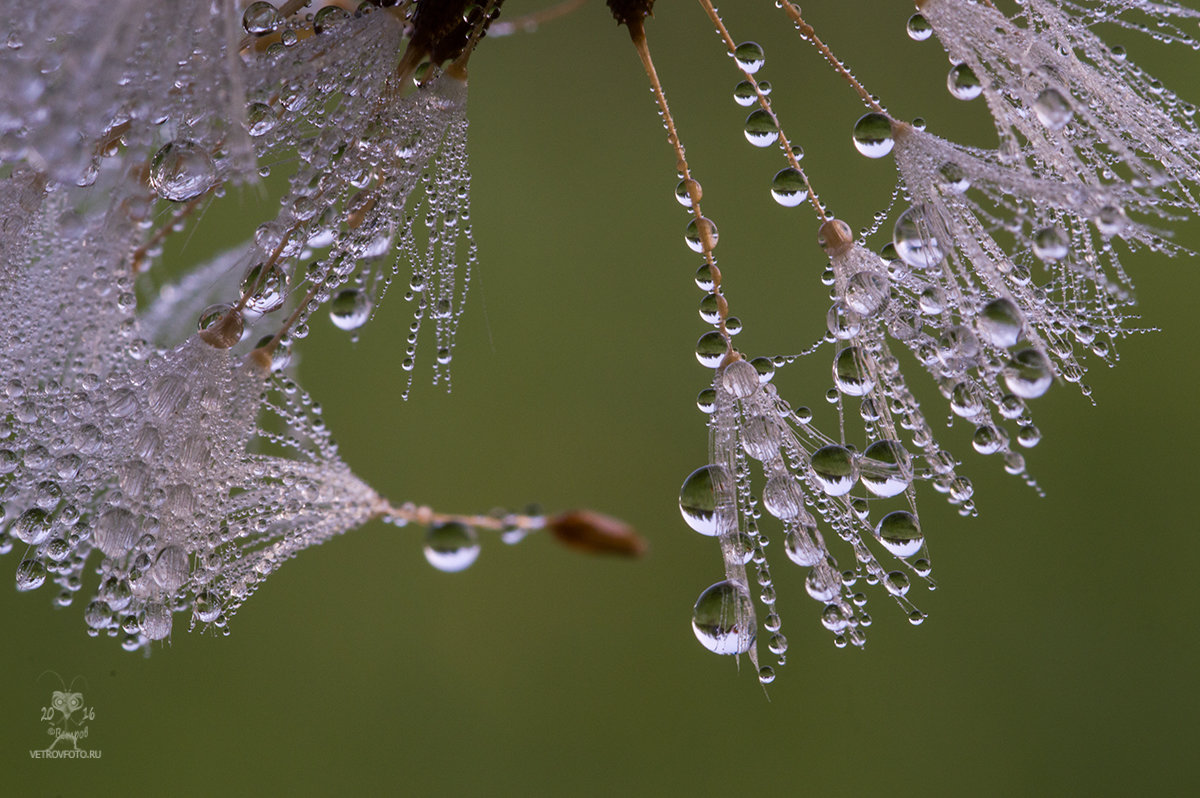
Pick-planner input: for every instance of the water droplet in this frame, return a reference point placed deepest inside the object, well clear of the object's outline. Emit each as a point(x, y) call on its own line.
point(1111, 220)
point(897, 583)
point(265, 291)
point(801, 543)
point(706, 500)
point(723, 619)
point(900, 533)
point(31, 574)
point(171, 568)
point(760, 129)
point(1050, 244)
point(749, 57)
point(1053, 109)
point(915, 242)
point(711, 349)
point(1028, 374)
point(701, 234)
point(867, 293)
point(115, 532)
point(788, 188)
point(155, 624)
point(260, 18)
point(451, 547)
point(260, 119)
point(329, 18)
point(1000, 323)
point(782, 496)
point(684, 191)
point(873, 135)
point(885, 468)
point(963, 83)
point(350, 309)
point(32, 527)
point(745, 94)
point(834, 469)
point(954, 178)
point(740, 379)
point(182, 170)
point(851, 375)
point(919, 28)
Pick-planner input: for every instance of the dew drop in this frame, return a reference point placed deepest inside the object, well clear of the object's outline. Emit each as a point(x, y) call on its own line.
point(873, 135)
point(723, 619)
point(1050, 244)
point(851, 375)
point(788, 188)
point(1053, 109)
point(451, 547)
point(1028, 374)
point(900, 533)
point(782, 497)
point(31, 574)
point(745, 94)
point(706, 500)
point(919, 28)
point(834, 469)
point(260, 119)
point(761, 129)
point(963, 83)
point(350, 309)
point(915, 243)
point(260, 18)
point(701, 234)
point(1000, 323)
point(182, 170)
point(711, 349)
point(749, 57)
point(884, 468)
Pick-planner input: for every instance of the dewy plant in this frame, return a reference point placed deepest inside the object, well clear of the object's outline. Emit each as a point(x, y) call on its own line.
point(184, 463)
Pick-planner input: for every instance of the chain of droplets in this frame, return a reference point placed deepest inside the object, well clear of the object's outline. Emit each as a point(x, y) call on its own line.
point(746, 420)
point(84, 81)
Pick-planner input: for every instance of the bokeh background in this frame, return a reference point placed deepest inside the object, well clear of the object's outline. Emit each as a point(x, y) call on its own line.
point(1060, 653)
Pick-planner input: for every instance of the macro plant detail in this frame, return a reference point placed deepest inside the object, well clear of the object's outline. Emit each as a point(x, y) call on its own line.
point(166, 443)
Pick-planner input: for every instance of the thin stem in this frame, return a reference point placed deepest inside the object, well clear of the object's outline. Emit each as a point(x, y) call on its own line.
point(637, 33)
point(530, 22)
point(765, 104)
point(808, 34)
point(427, 516)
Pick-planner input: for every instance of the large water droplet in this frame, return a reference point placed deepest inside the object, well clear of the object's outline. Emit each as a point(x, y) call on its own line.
point(788, 188)
point(783, 497)
point(867, 292)
point(350, 309)
point(451, 547)
point(914, 242)
point(801, 544)
point(749, 56)
point(711, 349)
point(1050, 244)
point(919, 28)
point(1028, 374)
point(873, 135)
point(884, 468)
point(260, 18)
point(701, 234)
point(707, 502)
point(834, 469)
point(1053, 109)
point(851, 375)
point(761, 129)
point(723, 619)
point(900, 533)
point(963, 83)
point(1000, 323)
point(182, 170)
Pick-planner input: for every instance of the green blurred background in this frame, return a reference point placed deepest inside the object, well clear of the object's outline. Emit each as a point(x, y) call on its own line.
point(1060, 653)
